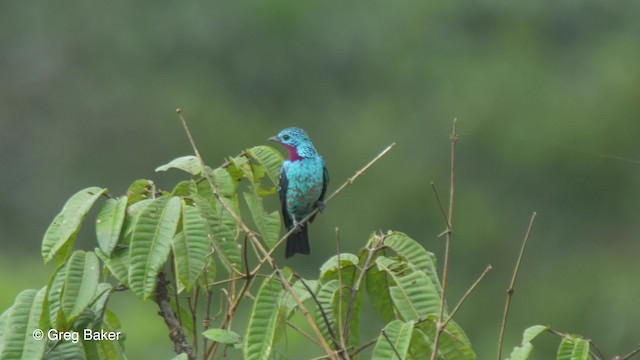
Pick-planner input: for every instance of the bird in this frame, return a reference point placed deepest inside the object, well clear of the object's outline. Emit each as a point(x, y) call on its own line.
point(302, 186)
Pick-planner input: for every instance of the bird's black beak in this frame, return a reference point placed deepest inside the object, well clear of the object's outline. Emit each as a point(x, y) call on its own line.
point(274, 138)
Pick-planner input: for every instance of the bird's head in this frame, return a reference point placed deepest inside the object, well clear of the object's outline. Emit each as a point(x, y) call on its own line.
point(296, 141)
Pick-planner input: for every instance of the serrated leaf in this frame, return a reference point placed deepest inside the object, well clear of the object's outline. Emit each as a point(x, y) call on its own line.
point(62, 232)
point(109, 223)
point(412, 291)
point(224, 336)
point(270, 159)
point(190, 246)
point(20, 322)
point(396, 342)
point(189, 163)
point(153, 231)
point(523, 351)
point(261, 332)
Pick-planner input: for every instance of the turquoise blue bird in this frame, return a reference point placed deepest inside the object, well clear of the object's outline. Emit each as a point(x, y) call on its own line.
point(302, 186)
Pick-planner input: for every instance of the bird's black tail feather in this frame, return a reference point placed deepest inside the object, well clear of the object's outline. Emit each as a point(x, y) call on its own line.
point(298, 243)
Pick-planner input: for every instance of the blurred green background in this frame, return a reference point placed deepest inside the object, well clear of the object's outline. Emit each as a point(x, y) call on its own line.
point(546, 93)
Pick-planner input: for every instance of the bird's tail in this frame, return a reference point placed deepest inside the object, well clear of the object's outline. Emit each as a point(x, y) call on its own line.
point(298, 243)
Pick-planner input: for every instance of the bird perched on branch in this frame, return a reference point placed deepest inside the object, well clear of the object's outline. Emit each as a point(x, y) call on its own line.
point(302, 186)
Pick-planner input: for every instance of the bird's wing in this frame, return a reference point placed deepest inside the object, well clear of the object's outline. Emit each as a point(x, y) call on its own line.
point(282, 193)
point(325, 182)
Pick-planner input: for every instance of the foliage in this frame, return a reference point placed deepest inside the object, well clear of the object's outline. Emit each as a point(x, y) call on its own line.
point(195, 236)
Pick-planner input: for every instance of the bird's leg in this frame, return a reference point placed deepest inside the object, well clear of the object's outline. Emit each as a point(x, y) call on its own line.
point(320, 205)
point(296, 225)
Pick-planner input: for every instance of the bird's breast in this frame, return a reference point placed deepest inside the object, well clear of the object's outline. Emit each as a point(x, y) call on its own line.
point(305, 182)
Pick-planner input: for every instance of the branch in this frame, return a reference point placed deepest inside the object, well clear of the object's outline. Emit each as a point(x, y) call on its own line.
point(176, 333)
point(384, 333)
point(629, 355)
point(511, 286)
point(335, 342)
point(355, 289)
point(466, 295)
point(449, 222)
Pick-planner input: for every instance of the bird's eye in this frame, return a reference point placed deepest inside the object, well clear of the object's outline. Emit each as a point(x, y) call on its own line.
point(286, 137)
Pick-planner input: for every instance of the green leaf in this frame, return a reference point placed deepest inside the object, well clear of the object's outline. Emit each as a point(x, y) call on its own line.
point(453, 344)
point(415, 254)
point(377, 286)
point(224, 182)
point(329, 269)
point(182, 356)
point(109, 223)
point(420, 345)
point(153, 231)
point(301, 292)
point(270, 159)
point(326, 296)
point(80, 283)
point(412, 291)
point(189, 163)
point(263, 321)
point(398, 337)
point(268, 224)
point(222, 228)
point(522, 352)
point(224, 336)
point(208, 276)
point(62, 232)
point(141, 189)
point(573, 348)
point(20, 322)
point(190, 246)
point(65, 350)
point(118, 263)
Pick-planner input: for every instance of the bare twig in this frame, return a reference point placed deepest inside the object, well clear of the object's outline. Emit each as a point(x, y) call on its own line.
point(449, 222)
point(355, 289)
point(629, 355)
point(341, 336)
point(302, 332)
point(384, 333)
point(466, 294)
point(511, 286)
point(332, 335)
point(176, 333)
point(594, 351)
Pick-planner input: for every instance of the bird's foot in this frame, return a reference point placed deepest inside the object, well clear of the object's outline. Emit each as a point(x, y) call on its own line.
point(320, 205)
point(296, 226)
